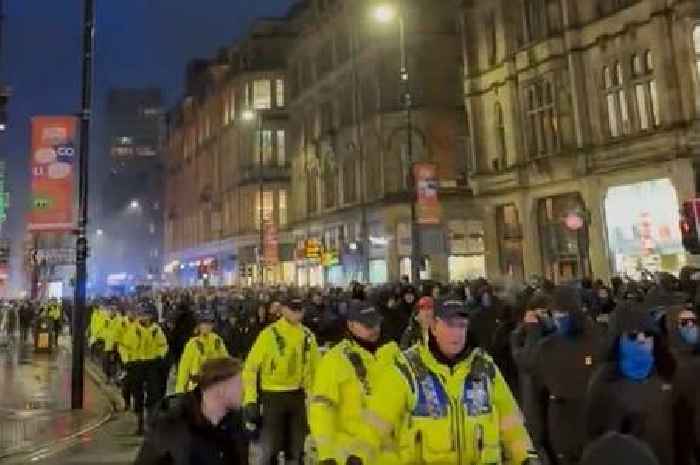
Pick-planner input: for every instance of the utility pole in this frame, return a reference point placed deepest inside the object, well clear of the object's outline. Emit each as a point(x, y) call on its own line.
point(81, 248)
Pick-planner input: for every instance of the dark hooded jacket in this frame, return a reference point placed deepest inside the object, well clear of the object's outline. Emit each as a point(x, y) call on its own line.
point(647, 410)
point(181, 435)
point(562, 367)
point(617, 449)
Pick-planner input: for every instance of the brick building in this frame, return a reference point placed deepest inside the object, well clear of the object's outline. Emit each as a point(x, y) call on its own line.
point(234, 114)
point(351, 188)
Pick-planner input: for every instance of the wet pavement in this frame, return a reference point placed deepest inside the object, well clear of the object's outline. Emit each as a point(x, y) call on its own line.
point(35, 399)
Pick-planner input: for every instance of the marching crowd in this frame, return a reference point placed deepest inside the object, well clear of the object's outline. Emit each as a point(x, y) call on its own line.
point(466, 373)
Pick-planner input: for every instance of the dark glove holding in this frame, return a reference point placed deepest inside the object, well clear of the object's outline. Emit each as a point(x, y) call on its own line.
point(251, 417)
point(353, 460)
point(328, 462)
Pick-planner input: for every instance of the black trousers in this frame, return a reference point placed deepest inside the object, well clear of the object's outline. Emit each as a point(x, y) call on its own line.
point(146, 383)
point(284, 427)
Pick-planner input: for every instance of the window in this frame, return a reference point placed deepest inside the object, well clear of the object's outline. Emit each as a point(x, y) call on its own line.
point(645, 97)
point(267, 207)
point(491, 37)
point(696, 46)
point(232, 105)
point(502, 155)
point(542, 121)
point(266, 147)
point(262, 95)
point(535, 20)
point(330, 186)
point(281, 148)
point(349, 184)
point(312, 190)
point(619, 122)
point(283, 207)
point(279, 93)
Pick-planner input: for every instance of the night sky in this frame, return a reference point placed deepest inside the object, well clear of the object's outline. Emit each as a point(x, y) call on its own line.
point(138, 43)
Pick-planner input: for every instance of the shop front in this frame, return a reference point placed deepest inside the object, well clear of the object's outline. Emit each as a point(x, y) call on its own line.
point(378, 254)
point(309, 266)
point(563, 226)
point(510, 242)
point(467, 259)
point(642, 225)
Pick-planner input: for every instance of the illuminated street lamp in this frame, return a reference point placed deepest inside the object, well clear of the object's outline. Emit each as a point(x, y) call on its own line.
point(99, 232)
point(135, 204)
point(248, 115)
point(384, 13)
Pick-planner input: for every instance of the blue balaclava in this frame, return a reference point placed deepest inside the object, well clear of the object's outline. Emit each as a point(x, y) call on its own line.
point(636, 358)
point(689, 334)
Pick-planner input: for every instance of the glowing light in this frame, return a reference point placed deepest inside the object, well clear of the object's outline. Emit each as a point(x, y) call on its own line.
point(384, 13)
point(248, 115)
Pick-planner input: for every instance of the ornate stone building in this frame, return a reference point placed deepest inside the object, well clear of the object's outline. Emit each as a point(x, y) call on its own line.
point(227, 164)
point(583, 121)
point(350, 150)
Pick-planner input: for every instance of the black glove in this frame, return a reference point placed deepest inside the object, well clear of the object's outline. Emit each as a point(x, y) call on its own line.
point(353, 460)
point(251, 417)
point(328, 462)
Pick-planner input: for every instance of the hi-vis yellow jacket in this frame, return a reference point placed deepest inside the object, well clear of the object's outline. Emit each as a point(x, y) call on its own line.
point(345, 378)
point(430, 414)
point(97, 325)
point(145, 343)
point(198, 350)
point(284, 356)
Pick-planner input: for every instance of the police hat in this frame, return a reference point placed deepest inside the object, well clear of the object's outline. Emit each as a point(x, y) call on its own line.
point(451, 308)
point(365, 313)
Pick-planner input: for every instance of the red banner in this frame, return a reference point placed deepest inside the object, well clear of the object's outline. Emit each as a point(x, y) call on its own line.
point(271, 255)
point(53, 161)
point(427, 185)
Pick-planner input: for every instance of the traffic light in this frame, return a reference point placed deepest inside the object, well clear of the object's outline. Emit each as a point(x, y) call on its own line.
point(689, 226)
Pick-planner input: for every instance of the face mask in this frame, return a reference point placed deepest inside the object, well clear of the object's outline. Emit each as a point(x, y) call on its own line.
point(636, 359)
point(548, 324)
point(486, 300)
point(690, 335)
point(562, 324)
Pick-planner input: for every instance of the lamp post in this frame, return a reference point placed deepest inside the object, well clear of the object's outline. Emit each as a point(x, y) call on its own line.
point(81, 248)
point(250, 115)
point(387, 13)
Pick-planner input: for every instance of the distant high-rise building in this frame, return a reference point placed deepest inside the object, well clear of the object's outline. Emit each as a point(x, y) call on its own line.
point(127, 233)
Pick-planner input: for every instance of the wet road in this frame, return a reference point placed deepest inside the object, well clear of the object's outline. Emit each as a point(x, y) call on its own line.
point(35, 398)
point(112, 444)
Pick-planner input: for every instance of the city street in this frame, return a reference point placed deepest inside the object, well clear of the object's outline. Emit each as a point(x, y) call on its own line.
point(35, 415)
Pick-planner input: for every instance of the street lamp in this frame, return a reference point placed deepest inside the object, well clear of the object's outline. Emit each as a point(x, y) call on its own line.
point(135, 204)
point(250, 115)
point(99, 232)
point(386, 13)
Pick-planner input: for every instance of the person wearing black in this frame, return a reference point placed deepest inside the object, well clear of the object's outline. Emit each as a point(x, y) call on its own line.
point(394, 321)
point(563, 364)
point(536, 325)
point(632, 391)
point(201, 427)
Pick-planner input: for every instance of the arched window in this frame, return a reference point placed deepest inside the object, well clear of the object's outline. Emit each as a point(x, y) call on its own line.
point(646, 102)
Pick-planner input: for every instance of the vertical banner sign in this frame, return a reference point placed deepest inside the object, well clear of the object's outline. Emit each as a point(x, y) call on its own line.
point(270, 243)
point(427, 184)
point(53, 166)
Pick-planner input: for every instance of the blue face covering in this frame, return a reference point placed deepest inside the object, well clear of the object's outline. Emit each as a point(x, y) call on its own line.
point(636, 359)
point(563, 324)
point(486, 300)
point(690, 335)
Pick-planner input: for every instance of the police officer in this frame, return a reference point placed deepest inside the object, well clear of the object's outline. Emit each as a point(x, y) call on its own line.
point(563, 364)
point(205, 345)
point(111, 325)
point(445, 403)
point(281, 363)
point(344, 380)
point(55, 316)
point(147, 345)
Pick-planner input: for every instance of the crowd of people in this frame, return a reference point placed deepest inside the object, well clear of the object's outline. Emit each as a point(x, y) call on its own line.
point(467, 373)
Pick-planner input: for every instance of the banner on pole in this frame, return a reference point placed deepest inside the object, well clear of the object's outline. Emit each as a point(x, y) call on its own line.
point(427, 185)
point(52, 163)
point(271, 255)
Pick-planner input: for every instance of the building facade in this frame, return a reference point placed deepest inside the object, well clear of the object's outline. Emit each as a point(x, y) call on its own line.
point(127, 234)
point(583, 123)
point(353, 145)
point(228, 172)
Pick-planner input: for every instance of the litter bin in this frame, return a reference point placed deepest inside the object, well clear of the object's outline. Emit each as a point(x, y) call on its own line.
point(42, 335)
